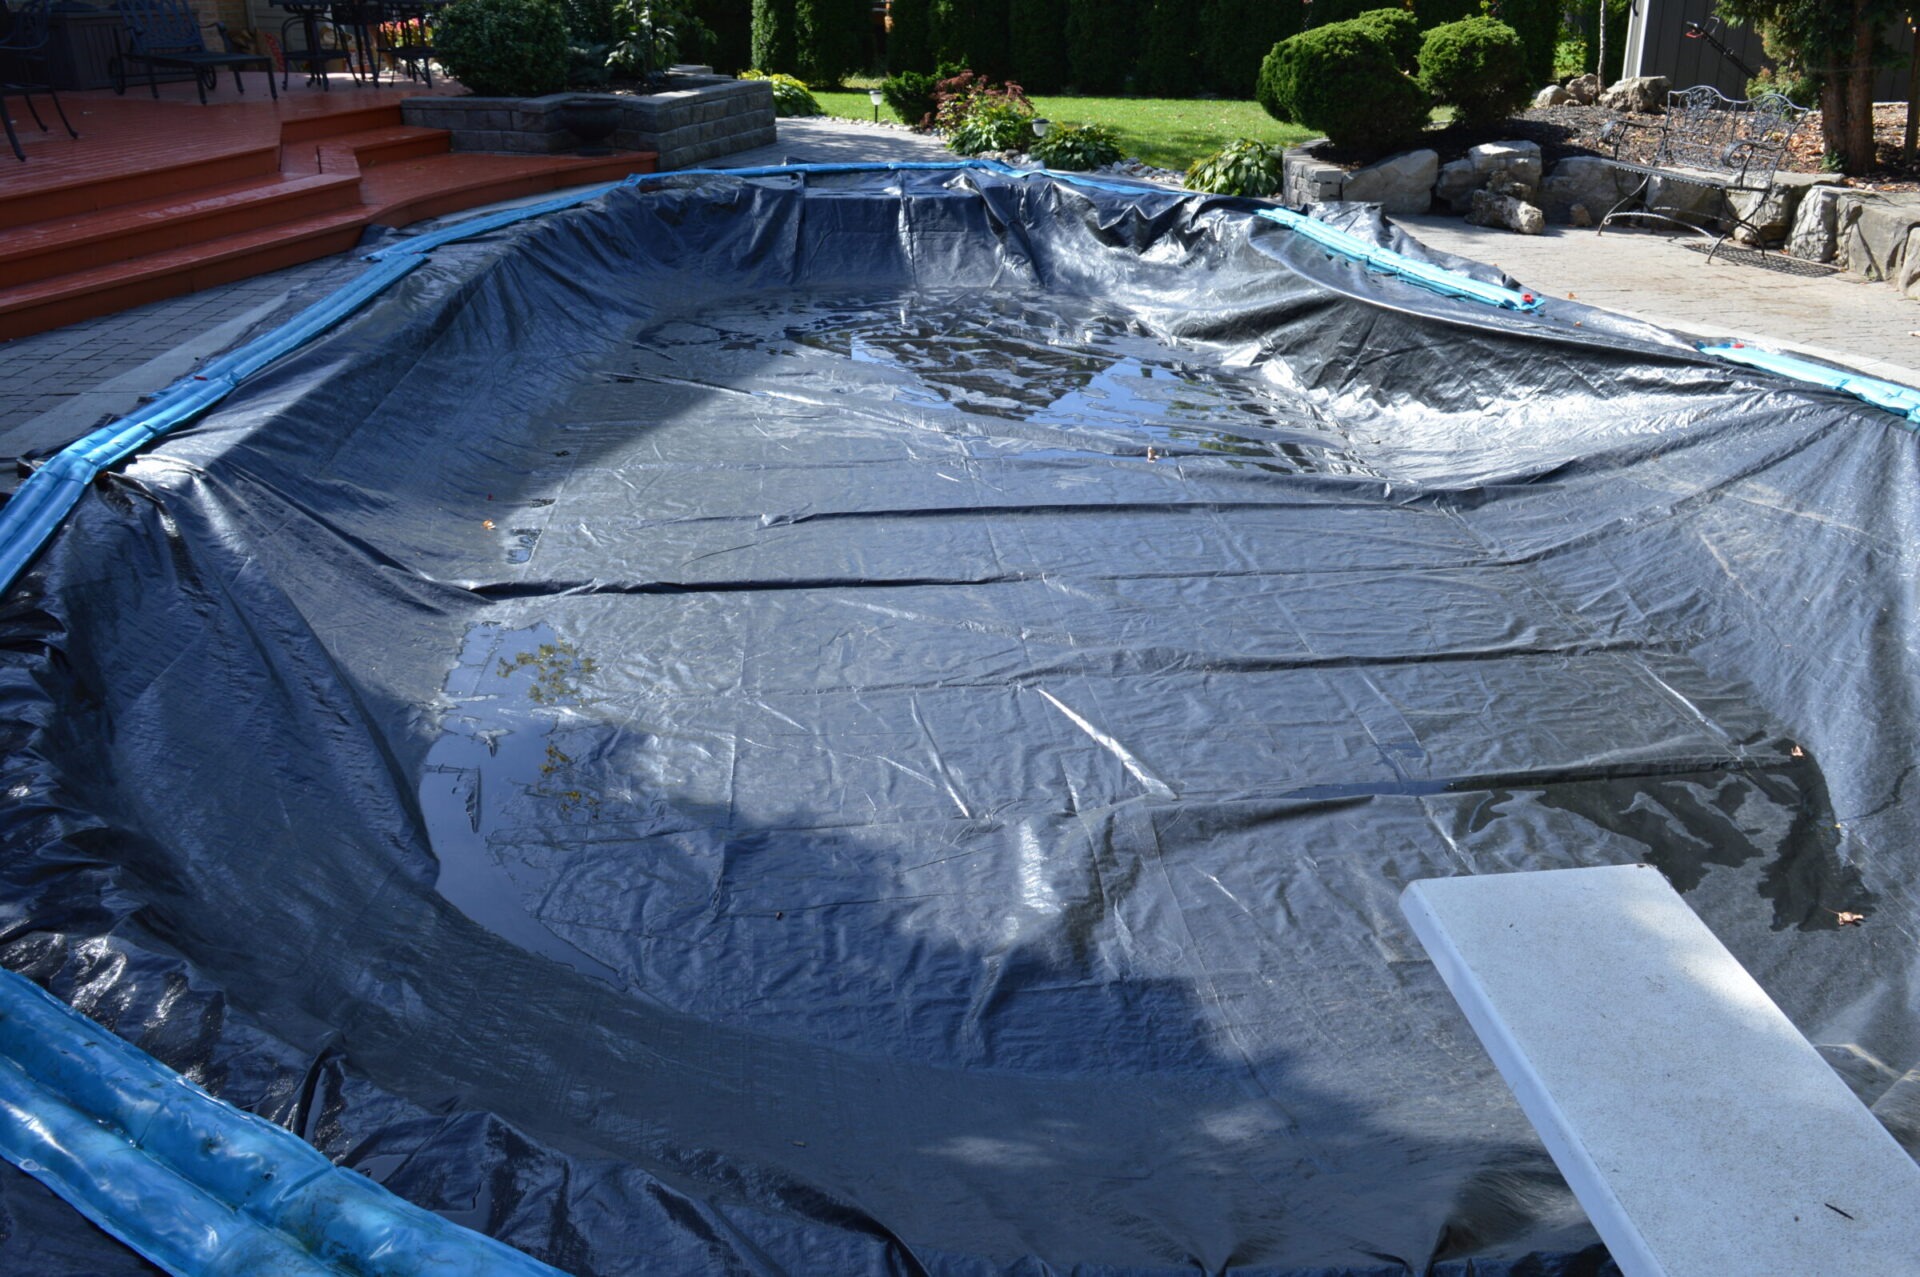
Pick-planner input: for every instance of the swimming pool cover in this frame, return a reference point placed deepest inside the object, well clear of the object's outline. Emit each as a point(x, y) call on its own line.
point(875, 724)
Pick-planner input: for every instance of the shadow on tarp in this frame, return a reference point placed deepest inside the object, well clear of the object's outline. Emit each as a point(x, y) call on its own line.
point(879, 726)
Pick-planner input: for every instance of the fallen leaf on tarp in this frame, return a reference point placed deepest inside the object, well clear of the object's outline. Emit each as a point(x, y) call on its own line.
point(1850, 919)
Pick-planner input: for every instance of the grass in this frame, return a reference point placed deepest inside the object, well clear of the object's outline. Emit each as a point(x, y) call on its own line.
point(1165, 132)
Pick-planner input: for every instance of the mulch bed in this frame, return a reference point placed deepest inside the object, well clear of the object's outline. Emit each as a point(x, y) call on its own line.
point(1563, 131)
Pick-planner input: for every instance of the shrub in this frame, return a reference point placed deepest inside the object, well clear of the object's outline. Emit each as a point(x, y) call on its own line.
point(587, 66)
point(1342, 80)
point(1235, 35)
point(1478, 65)
point(959, 97)
point(1037, 44)
point(909, 95)
point(1241, 167)
point(1399, 31)
point(1274, 89)
point(1537, 23)
point(1167, 66)
point(979, 115)
point(1100, 44)
point(503, 48)
point(1569, 59)
point(1799, 89)
point(1078, 147)
point(790, 96)
point(995, 126)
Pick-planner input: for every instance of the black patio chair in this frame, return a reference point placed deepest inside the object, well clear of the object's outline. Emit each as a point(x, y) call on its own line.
point(24, 36)
point(166, 33)
point(316, 56)
point(406, 37)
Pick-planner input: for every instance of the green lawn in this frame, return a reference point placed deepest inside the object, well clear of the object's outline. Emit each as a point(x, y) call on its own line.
point(1168, 132)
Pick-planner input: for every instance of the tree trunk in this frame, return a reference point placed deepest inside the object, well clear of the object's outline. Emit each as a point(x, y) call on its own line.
point(1912, 139)
point(1600, 62)
point(1846, 103)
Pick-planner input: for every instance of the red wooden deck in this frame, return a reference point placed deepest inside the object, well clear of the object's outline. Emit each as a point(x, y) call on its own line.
point(159, 198)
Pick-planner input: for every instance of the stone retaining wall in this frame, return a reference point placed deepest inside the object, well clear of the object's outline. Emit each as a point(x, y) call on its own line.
point(1872, 234)
point(700, 119)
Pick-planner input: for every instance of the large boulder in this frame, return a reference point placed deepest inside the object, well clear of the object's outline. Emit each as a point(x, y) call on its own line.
point(1766, 218)
point(1873, 240)
point(1584, 89)
point(1492, 209)
point(1456, 185)
point(1398, 184)
point(1908, 281)
point(1552, 95)
point(1587, 181)
point(1518, 160)
point(1815, 233)
point(1643, 95)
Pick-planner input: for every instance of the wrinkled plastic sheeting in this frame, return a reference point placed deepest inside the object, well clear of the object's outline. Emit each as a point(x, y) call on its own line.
point(877, 725)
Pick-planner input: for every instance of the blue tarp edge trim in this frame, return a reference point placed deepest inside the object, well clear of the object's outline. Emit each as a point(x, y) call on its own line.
point(1901, 401)
point(1387, 261)
point(200, 1187)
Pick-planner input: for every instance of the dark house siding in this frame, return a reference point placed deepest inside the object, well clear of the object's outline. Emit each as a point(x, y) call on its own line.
point(1667, 51)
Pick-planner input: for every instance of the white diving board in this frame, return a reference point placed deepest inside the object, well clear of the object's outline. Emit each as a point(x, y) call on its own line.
point(1702, 1133)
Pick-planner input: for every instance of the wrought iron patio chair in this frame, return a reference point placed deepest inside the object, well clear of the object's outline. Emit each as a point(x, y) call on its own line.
point(166, 33)
point(24, 36)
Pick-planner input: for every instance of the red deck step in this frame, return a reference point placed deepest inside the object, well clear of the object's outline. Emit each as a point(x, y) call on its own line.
point(91, 192)
point(103, 290)
point(65, 246)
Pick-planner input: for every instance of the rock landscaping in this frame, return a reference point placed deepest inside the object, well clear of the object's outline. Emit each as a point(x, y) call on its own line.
point(1550, 164)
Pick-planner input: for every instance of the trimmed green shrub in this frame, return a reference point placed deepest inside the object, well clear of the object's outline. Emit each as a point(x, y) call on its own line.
point(1342, 80)
point(790, 96)
point(1101, 44)
point(1241, 167)
point(1168, 67)
point(1399, 30)
point(1273, 91)
point(1537, 23)
point(776, 35)
point(1037, 44)
point(909, 95)
point(503, 48)
point(1078, 147)
point(910, 36)
point(1235, 35)
point(1479, 66)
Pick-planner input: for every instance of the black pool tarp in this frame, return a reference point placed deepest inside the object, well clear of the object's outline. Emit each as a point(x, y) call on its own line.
point(877, 724)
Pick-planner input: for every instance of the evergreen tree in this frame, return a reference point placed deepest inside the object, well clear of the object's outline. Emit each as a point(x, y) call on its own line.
point(1037, 45)
point(1101, 44)
point(774, 36)
point(1168, 66)
point(1236, 35)
point(910, 36)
